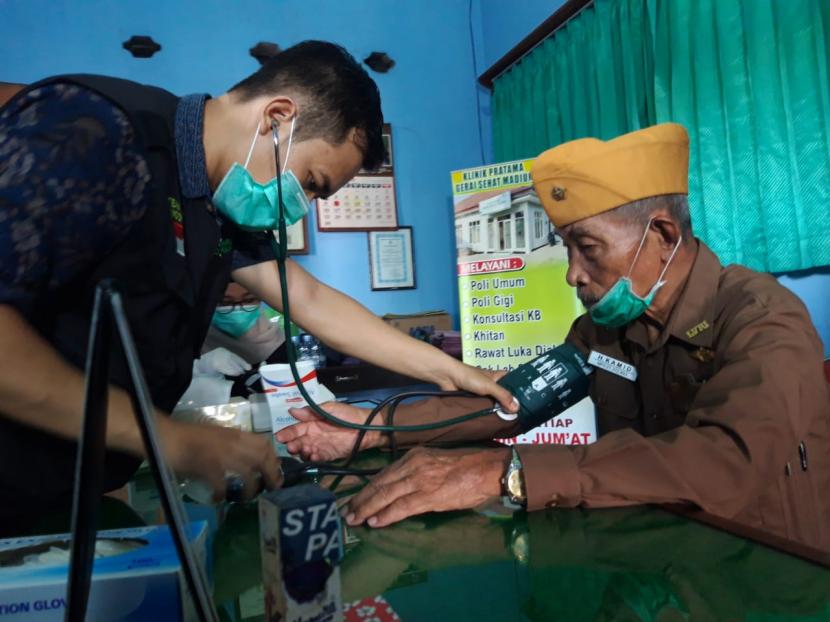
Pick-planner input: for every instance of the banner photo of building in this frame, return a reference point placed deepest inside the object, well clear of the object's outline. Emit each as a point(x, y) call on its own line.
point(515, 303)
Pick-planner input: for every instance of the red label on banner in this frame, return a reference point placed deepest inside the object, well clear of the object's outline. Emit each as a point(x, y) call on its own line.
point(489, 266)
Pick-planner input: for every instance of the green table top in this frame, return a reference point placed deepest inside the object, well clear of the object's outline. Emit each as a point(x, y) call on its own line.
point(640, 563)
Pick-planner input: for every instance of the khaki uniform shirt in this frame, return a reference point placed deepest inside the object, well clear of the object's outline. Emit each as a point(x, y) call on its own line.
point(730, 412)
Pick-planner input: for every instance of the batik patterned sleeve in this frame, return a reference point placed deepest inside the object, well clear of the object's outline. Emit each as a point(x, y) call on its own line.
point(72, 182)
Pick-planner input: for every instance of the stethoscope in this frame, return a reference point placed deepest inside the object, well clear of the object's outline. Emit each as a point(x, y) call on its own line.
point(294, 470)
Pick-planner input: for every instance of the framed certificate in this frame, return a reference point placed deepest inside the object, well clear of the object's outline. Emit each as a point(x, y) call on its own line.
point(388, 163)
point(297, 235)
point(391, 262)
point(387, 167)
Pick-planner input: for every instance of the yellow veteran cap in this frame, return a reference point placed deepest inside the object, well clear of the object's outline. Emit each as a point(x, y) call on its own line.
point(586, 177)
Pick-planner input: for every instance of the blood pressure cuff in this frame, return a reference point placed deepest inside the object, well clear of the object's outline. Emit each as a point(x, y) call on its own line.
point(548, 385)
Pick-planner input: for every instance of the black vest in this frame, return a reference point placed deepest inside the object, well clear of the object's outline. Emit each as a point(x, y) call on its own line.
point(168, 298)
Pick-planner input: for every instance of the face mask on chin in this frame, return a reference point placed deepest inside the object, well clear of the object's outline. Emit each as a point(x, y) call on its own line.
point(254, 206)
point(620, 305)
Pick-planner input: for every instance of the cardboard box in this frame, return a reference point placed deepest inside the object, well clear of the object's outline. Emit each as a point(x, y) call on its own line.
point(142, 583)
point(438, 320)
point(282, 393)
point(302, 545)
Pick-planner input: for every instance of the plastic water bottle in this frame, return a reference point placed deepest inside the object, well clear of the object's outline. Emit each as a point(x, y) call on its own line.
point(317, 354)
point(304, 353)
point(297, 346)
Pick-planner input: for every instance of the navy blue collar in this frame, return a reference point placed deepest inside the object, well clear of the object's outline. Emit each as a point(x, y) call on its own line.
point(190, 148)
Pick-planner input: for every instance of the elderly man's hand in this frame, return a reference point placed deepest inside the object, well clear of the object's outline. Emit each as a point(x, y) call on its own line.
point(320, 441)
point(429, 480)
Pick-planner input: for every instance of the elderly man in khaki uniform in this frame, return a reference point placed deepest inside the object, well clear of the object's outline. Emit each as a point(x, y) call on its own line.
point(721, 403)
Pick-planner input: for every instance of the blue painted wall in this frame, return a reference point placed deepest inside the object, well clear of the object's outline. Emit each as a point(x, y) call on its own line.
point(813, 287)
point(497, 27)
point(429, 96)
point(504, 24)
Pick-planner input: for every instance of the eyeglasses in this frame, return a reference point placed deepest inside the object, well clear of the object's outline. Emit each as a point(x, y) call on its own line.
point(228, 306)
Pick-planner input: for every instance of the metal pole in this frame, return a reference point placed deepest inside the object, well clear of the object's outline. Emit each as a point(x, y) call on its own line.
point(90, 461)
point(91, 450)
point(173, 510)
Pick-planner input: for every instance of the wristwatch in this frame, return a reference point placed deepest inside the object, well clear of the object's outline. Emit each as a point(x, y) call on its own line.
point(513, 481)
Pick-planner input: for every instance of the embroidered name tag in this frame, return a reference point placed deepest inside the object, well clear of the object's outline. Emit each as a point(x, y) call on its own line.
point(612, 365)
point(696, 330)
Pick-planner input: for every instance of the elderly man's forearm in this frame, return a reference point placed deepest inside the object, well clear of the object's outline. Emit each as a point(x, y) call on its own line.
point(436, 410)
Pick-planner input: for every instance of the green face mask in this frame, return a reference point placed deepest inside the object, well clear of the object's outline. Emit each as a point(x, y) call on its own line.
point(620, 305)
point(254, 206)
point(235, 322)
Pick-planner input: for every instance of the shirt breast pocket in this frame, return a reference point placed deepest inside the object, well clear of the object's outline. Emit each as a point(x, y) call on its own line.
point(617, 402)
point(686, 376)
point(682, 392)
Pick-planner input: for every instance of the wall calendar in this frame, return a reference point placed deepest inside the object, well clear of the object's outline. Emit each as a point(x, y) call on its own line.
point(366, 203)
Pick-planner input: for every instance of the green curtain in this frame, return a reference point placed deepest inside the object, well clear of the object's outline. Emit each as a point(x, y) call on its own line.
point(750, 82)
point(594, 77)
point(748, 79)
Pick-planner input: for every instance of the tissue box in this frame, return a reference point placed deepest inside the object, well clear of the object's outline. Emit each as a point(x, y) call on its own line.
point(302, 545)
point(139, 578)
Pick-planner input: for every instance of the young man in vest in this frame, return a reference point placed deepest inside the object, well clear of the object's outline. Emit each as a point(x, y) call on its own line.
point(707, 381)
point(106, 178)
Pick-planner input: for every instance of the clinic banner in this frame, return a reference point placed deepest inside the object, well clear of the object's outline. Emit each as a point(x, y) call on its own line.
point(515, 303)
